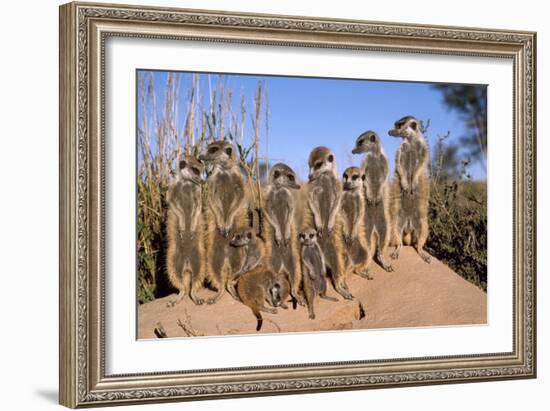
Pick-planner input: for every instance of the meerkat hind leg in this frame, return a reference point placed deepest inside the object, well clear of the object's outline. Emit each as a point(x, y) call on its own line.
point(326, 297)
point(380, 257)
point(232, 291)
point(342, 289)
point(177, 300)
point(268, 310)
point(363, 273)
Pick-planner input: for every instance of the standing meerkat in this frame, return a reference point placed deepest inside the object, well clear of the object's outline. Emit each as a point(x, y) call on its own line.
point(352, 210)
point(226, 213)
point(324, 196)
point(377, 217)
point(314, 266)
point(281, 229)
point(261, 286)
point(254, 255)
point(410, 189)
point(186, 254)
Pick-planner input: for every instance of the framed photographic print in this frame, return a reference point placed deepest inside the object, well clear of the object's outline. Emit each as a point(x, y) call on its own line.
point(258, 204)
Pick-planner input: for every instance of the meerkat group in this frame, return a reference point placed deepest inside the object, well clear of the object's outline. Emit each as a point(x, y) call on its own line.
point(347, 222)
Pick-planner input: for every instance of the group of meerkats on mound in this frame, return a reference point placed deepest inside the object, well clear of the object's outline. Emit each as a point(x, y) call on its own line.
point(344, 224)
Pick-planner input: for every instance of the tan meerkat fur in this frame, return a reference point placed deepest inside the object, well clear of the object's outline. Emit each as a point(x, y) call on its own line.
point(324, 196)
point(352, 212)
point(226, 214)
point(377, 217)
point(263, 286)
point(410, 188)
point(185, 257)
point(314, 268)
point(280, 231)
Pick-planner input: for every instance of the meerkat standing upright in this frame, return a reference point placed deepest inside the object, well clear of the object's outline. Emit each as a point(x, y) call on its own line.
point(353, 211)
point(227, 213)
point(324, 196)
point(377, 208)
point(410, 189)
point(185, 254)
point(281, 231)
point(313, 261)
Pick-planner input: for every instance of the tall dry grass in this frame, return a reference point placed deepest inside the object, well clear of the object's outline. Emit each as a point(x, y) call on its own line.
point(163, 139)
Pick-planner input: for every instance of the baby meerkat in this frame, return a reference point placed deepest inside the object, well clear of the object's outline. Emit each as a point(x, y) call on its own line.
point(254, 255)
point(324, 196)
point(226, 213)
point(314, 266)
point(377, 208)
point(353, 210)
point(185, 254)
point(262, 286)
point(281, 229)
point(410, 189)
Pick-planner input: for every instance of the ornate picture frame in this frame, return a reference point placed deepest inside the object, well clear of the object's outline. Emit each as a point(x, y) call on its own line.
point(84, 29)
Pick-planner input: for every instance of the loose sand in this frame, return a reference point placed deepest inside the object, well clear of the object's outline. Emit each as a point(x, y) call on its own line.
point(416, 294)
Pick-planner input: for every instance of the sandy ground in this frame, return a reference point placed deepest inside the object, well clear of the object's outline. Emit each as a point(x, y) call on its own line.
point(416, 294)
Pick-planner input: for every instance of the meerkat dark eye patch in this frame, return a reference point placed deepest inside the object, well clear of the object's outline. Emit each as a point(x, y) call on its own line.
point(355, 177)
point(228, 151)
point(363, 177)
point(345, 176)
point(330, 158)
point(195, 170)
point(414, 125)
point(249, 235)
point(311, 235)
point(290, 177)
point(276, 174)
point(182, 164)
point(318, 164)
point(212, 150)
point(302, 236)
point(372, 138)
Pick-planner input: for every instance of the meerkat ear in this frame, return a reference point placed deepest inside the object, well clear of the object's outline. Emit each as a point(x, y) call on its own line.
point(276, 174)
point(228, 151)
point(344, 176)
point(330, 158)
point(182, 164)
point(414, 125)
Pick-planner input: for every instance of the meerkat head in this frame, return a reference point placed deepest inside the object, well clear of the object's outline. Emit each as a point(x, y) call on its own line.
point(277, 292)
point(191, 169)
point(308, 237)
point(282, 175)
point(353, 178)
point(368, 142)
point(219, 152)
point(408, 128)
point(242, 238)
point(321, 161)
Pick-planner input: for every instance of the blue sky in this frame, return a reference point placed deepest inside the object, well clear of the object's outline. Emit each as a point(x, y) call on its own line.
point(308, 112)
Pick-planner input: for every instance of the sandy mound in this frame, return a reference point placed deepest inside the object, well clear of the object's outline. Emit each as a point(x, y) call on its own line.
point(416, 294)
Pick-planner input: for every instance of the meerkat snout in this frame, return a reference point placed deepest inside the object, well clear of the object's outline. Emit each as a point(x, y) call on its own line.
point(405, 127)
point(191, 169)
point(353, 178)
point(321, 160)
point(283, 176)
point(366, 142)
